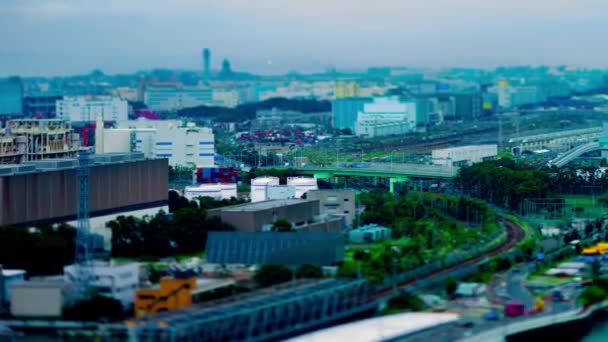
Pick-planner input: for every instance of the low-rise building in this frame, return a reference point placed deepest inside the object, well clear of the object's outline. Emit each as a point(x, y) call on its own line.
point(335, 202)
point(114, 280)
point(369, 233)
point(303, 214)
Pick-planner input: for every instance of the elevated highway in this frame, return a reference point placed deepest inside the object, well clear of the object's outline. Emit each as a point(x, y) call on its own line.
point(394, 171)
point(575, 153)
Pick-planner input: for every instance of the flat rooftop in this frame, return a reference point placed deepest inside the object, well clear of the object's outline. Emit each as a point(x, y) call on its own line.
point(263, 205)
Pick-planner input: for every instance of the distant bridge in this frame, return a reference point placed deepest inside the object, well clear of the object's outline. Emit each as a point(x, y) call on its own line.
point(395, 172)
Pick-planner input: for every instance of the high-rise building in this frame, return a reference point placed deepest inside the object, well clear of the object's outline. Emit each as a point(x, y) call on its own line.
point(207, 63)
point(345, 111)
point(226, 71)
point(11, 96)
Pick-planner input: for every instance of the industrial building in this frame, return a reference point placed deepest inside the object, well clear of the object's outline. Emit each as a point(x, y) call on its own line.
point(275, 248)
point(47, 190)
point(335, 202)
point(464, 155)
point(85, 108)
point(41, 104)
point(343, 90)
point(254, 217)
point(34, 139)
point(114, 280)
point(183, 144)
point(369, 233)
point(269, 188)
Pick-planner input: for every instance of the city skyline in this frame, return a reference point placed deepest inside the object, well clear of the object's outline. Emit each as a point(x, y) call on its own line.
point(274, 37)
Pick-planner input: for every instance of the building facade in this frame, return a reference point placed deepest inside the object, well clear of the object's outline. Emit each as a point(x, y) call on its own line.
point(183, 144)
point(86, 108)
point(335, 202)
point(386, 116)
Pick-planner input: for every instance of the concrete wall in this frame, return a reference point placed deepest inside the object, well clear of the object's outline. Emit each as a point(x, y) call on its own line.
point(37, 301)
point(53, 195)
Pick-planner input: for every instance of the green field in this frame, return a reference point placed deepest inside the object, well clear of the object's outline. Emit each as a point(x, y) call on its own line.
point(591, 207)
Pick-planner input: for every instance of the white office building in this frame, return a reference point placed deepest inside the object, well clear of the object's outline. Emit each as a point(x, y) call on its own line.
point(182, 144)
point(464, 155)
point(115, 280)
point(86, 108)
point(386, 116)
point(170, 98)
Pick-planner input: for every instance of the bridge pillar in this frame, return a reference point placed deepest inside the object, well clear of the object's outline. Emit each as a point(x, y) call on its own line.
point(394, 180)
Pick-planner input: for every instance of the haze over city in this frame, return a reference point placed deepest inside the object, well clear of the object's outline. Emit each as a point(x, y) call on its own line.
point(303, 170)
point(62, 37)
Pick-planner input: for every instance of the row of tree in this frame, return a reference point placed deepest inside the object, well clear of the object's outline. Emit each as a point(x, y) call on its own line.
point(40, 251)
point(161, 235)
point(248, 111)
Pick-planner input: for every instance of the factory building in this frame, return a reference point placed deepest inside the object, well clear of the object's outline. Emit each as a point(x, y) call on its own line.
point(302, 185)
point(183, 145)
point(303, 214)
point(47, 190)
point(34, 139)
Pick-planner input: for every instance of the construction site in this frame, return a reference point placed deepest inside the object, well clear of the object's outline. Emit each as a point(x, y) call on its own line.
point(35, 139)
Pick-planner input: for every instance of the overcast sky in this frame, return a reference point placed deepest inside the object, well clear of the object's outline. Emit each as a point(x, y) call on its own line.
point(59, 37)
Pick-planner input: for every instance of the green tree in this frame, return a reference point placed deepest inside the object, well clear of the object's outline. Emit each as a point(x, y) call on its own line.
point(451, 285)
point(282, 225)
point(269, 275)
point(309, 271)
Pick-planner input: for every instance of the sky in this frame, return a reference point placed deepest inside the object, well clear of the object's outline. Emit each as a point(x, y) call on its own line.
point(63, 37)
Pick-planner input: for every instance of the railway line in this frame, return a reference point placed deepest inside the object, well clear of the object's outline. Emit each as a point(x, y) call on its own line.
point(515, 234)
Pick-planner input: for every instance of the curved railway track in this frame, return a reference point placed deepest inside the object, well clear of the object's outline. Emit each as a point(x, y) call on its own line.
point(515, 234)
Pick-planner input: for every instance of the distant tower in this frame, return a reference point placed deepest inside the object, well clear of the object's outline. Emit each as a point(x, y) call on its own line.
point(207, 63)
point(99, 134)
point(226, 71)
point(83, 248)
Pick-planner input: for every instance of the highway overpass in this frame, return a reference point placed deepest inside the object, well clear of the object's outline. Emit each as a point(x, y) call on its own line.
point(575, 153)
point(393, 171)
